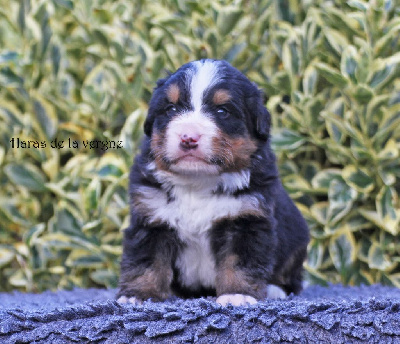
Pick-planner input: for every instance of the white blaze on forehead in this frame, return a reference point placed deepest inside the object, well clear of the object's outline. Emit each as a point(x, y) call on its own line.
point(203, 78)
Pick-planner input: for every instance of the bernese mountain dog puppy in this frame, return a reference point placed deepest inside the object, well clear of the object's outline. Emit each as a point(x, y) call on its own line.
point(209, 215)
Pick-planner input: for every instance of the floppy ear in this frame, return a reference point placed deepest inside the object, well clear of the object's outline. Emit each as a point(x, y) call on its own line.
point(260, 116)
point(148, 124)
point(155, 99)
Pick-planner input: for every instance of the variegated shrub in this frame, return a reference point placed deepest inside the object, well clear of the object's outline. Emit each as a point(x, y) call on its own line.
point(84, 71)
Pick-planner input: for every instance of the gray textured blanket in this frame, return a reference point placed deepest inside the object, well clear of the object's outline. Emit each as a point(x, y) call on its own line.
point(319, 315)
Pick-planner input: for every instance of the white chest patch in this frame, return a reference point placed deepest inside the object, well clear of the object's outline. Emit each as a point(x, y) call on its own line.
point(192, 212)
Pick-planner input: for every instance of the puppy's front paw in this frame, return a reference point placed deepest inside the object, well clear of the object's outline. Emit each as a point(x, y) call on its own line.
point(133, 300)
point(236, 300)
point(274, 292)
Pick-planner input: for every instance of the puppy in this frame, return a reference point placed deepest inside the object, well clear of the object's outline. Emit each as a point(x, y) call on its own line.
point(209, 215)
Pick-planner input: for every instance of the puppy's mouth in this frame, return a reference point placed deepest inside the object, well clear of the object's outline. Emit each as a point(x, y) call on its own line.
point(193, 164)
point(190, 157)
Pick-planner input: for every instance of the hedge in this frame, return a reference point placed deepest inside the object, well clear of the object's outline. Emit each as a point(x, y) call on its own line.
point(75, 81)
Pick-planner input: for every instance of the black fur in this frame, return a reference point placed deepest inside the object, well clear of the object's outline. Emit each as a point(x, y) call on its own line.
point(269, 249)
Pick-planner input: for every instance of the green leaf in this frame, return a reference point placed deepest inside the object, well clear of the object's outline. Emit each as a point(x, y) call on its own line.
point(42, 17)
point(57, 270)
point(363, 94)
point(132, 130)
point(92, 226)
point(332, 75)
point(287, 140)
point(387, 175)
point(389, 124)
point(320, 212)
point(7, 56)
point(310, 169)
point(57, 241)
point(358, 4)
point(312, 109)
point(6, 256)
point(310, 80)
point(385, 42)
point(21, 15)
point(380, 75)
point(291, 58)
point(105, 277)
point(46, 117)
point(9, 78)
point(316, 277)
point(288, 167)
point(295, 183)
point(68, 221)
point(395, 279)
point(387, 205)
point(10, 211)
point(336, 39)
point(11, 115)
point(101, 37)
point(315, 254)
point(83, 259)
point(34, 233)
point(227, 18)
point(390, 151)
point(92, 195)
point(343, 251)
point(341, 198)
point(26, 175)
point(18, 279)
point(363, 68)
point(363, 249)
point(334, 131)
point(378, 259)
point(336, 107)
point(281, 81)
point(356, 223)
point(360, 151)
point(212, 40)
point(56, 58)
point(358, 179)
point(376, 219)
point(324, 178)
point(68, 4)
point(376, 105)
point(346, 25)
point(112, 249)
point(232, 53)
point(110, 170)
point(382, 72)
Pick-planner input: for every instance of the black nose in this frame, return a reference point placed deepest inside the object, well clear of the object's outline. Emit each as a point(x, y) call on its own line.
point(189, 142)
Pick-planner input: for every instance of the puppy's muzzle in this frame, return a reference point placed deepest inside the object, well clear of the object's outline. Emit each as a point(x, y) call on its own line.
point(189, 138)
point(189, 142)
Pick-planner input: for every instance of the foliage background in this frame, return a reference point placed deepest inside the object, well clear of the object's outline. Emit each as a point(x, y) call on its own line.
point(85, 70)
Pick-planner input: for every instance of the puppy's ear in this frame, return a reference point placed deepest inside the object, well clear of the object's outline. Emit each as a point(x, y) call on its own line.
point(260, 116)
point(148, 123)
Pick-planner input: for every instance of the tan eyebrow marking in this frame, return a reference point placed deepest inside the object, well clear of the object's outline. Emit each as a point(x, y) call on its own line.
point(221, 97)
point(173, 93)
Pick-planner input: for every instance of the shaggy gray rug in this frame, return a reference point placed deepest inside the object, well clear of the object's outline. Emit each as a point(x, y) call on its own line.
point(318, 315)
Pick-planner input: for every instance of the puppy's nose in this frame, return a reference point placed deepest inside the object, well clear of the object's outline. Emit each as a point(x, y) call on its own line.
point(189, 141)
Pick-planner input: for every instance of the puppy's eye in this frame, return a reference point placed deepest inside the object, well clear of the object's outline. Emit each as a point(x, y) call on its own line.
point(222, 112)
point(170, 109)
